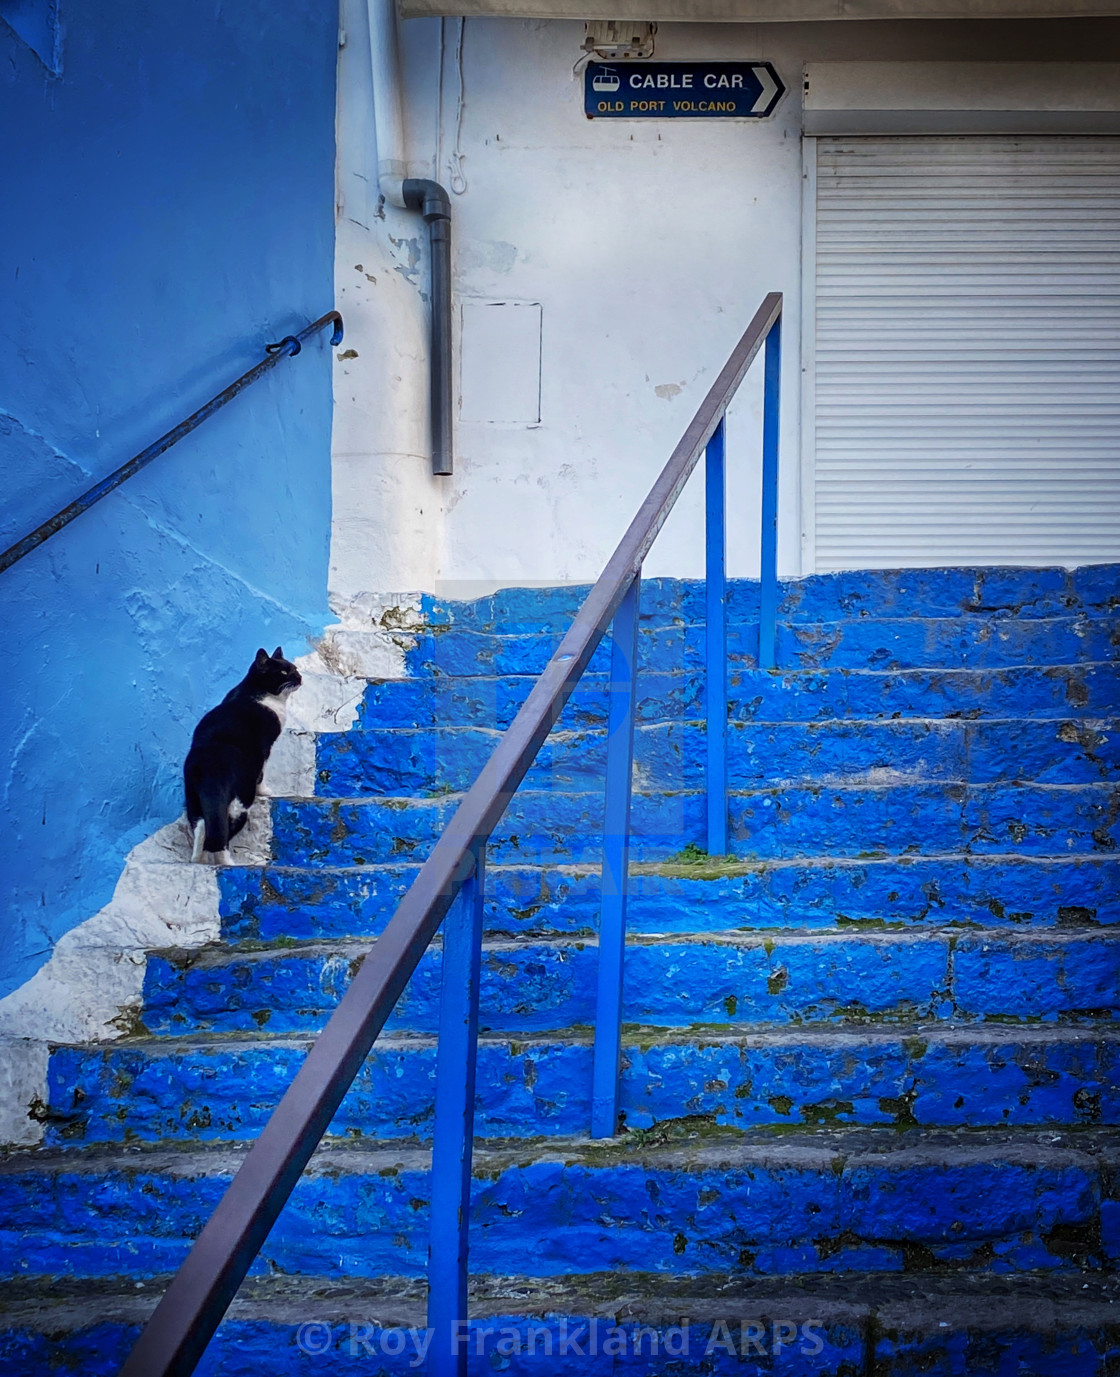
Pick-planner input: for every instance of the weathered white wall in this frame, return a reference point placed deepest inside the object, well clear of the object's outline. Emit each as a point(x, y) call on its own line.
point(648, 245)
point(388, 509)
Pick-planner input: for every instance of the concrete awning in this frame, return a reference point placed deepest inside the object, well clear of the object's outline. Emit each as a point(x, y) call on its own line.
point(764, 11)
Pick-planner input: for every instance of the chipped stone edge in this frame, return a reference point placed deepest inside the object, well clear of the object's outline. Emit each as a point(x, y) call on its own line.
point(91, 988)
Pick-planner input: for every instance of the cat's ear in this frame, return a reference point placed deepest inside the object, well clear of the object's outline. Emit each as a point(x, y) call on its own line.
point(278, 653)
point(262, 657)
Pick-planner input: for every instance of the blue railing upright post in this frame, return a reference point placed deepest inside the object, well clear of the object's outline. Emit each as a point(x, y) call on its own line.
point(616, 860)
point(454, 1129)
point(768, 610)
point(715, 649)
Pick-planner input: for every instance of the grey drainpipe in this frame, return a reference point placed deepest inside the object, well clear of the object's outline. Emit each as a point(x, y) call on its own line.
point(434, 204)
point(414, 193)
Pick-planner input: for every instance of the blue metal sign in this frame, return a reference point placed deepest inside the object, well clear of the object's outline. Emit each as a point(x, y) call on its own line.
point(681, 90)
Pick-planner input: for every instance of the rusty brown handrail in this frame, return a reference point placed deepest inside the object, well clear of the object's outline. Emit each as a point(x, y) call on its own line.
point(202, 1289)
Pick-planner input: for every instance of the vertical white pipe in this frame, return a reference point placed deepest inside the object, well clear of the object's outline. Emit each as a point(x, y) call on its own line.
point(388, 109)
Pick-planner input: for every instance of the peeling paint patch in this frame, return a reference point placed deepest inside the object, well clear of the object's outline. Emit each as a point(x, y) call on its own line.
point(667, 391)
point(23, 1082)
point(406, 253)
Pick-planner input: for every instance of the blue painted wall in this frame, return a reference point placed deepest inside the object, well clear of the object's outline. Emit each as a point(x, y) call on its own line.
point(168, 211)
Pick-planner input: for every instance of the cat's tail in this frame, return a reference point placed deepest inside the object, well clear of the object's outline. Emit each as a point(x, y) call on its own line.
point(212, 830)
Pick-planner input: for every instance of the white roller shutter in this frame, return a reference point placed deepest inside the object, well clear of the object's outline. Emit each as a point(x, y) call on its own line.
point(967, 351)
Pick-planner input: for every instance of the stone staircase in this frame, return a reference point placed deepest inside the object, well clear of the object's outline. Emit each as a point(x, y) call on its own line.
point(871, 1059)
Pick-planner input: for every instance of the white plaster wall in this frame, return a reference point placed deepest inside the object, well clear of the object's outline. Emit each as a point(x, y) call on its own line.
point(648, 244)
point(388, 508)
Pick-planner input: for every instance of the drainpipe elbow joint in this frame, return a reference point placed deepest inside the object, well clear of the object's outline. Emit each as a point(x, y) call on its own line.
point(428, 197)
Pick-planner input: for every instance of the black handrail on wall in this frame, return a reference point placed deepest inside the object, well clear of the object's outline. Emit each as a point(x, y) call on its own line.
point(201, 1291)
point(286, 348)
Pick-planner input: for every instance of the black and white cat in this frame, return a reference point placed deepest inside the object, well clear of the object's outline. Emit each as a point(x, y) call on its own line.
point(230, 746)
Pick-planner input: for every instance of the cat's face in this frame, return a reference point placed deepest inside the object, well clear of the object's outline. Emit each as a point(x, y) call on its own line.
point(273, 674)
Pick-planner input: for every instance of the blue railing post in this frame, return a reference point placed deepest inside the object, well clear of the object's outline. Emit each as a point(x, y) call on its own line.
point(454, 1129)
point(768, 610)
point(616, 860)
point(715, 647)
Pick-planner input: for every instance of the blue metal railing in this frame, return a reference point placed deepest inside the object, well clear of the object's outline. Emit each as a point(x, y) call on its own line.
point(623, 699)
point(286, 348)
point(200, 1292)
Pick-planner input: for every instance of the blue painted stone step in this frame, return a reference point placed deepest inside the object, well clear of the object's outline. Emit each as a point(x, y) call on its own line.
point(542, 826)
point(788, 978)
point(837, 1203)
point(985, 592)
point(874, 643)
point(1056, 691)
point(1051, 1324)
point(923, 793)
point(1063, 691)
point(329, 903)
point(397, 761)
point(1027, 1334)
point(740, 1076)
